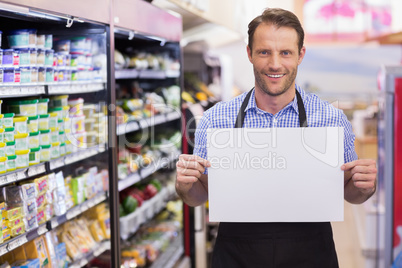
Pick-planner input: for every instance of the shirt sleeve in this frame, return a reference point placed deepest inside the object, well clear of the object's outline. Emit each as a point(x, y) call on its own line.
point(200, 146)
point(349, 142)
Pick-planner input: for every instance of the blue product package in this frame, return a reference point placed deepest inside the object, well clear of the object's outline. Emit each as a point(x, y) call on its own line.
point(31, 263)
point(61, 254)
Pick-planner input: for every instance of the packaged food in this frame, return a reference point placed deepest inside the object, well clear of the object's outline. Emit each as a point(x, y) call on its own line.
point(2, 135)
point(25, 56)
point(8, 120)
point(44, 122)
point(78, 124)
point(49, 74)
point(6, 234)
point(13, 196)
point(18, 38)
point(69, 148)
point(21, 141)
point(43, 106)
point(29, 206)
point(58, 111)
point(22, 160)
point(76, 107)
point(40, 41)
point(23, 107)
point(10, 163)
point(34, 55)
point(33, 140)
point(37, 249)
point(41, 75)
point(10, 148)
point(48, 211)
point(45, 153)
point(8, 57)
point(33, 123)
point(9, 134)
point(66, 110)
point(17, 230)
point(1, 116)
point(3, 164)
point(58, 101)
point(34, 156)
point(49, 57)
point(31, 263)
point(49, 41)
point(67, 124)
point(29, 190)
point(41, 215)
point(55, 150)
point(40, 59)
point(44, 137)
point(62, 136)
point(17, 75)
point(62, 149)
point(12, 213)
point(20, 124)
point(2, 149)
point(54, 135)
point(89, 124)
point(25, 75)
point(11, 223)
point(53, 120)
point(42, 184)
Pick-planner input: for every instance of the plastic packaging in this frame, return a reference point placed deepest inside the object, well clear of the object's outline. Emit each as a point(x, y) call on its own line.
point(55, 150)
point(34, 55)
point(9, 134)
point(1, 75)
point(76, 106)
point(58, 101)
point(49, 74)
point(20, 124)
point(16, 58)
point(32, 37)
point(23, 107)
point(8, 120)
point(3, 160)
point(11, 223)
point(2, 149)
point(67, 123)
point(89, 110)
point(53, 119)
point(25, 56)
point(48, 41)
point(44, 121)
point(40, 58)
point(1, 134)
point(58, 111)
point(49, 57)
point(10, 163)
point(62, 46)
point(1, 55)
point(17, 75)
point(34, 156)
point(89, 124)
point(78, 45)
point(40, 41)
point(34, 74)
point(60, 124)
point(28, 190)
point(43, 106)
point(62, 136)
point(63, 149)
point(45, 153)
point(41, 75)
point(44, 137)
point(18, 38)
point(22, 160)
point(54, 135)
point(10, 148)
point(31, 222)
point(8, 75)
point(25, 75)
point(17, 230)
point(8, 57)
point(21, 141)
point(33, 123)
point(33, 140)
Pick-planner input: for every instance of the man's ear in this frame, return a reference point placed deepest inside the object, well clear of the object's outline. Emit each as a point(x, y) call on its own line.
point(301, 55)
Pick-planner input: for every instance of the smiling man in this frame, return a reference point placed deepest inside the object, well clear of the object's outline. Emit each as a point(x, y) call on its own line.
point(275, 49)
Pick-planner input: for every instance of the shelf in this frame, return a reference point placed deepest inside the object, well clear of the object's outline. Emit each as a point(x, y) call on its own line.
point(129, 224)
point(171, 255)
point(98, 250)
point(158, 119)
point(21, 91)
point(53, 223)
point(24, 173)
point(146, 74)
point(74, 88)
point(145, 172)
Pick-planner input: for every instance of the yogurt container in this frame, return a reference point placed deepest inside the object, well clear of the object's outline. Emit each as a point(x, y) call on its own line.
point(53, 120)
point(45, 153)
point(1, 134)
point(1, 56)
point(34, 156)
point(16, 58)
point(44, 137)
point(40, 41)
point(2, 149)
point(44, 121)
point(1, 118)
point(78, 124)
point(67, 124)
point(3, 160)
point(21, 141)
point(33, 123)
point(54, 135)
point(60, 124)
point(76, 106)
point(32, 37)
point(58, 101)
point(89, 110)
point(49, 57)
point(25, 56)
point(18, 38)
point(62, 136)
point(8, 57)
point(49, 75)
point(8, 120)
point(69, 146)
point(9, 134)
point(8, 75)
point(23, 107)
point(20, 124)
point(25, 75)
point(17, 75)
point(10, 148)
point(62, 149)
point(34, 74)
point(33, 140)
point(33, 56)
point(48, 41)
point(58, 111)
point(43, 106)
point(41, 75)
point(22, 159)
point(55, 150)
point(10, 163)
point(1, 74)
point(40, 58)
point(78, 45)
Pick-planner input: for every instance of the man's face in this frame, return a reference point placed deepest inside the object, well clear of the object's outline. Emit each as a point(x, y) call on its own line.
point(275, 57)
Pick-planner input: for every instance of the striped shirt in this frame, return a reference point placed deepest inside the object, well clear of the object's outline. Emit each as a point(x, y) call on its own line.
point(319, 114)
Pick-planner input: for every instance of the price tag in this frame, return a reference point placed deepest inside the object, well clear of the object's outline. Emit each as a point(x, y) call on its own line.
point(12, 177)
point(54, 223)
point(3, 180)
point(84, 207)
point(91, 203)
point(131, 126)
point(35, 170)
point(21, 175)
point(57, 163)
point(3, 250)
point(74, 212)
point(42, 230)
point(16, 243)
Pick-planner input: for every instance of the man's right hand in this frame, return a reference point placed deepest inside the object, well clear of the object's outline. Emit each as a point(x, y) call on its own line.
point(189, 171)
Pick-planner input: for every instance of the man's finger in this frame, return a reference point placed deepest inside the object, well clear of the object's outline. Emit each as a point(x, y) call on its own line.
point(359, 162)
point(364, 170)
point(190, 165)
point(190, 157)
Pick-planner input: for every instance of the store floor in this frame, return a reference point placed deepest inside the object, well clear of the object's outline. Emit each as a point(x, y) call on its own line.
point(347, 241)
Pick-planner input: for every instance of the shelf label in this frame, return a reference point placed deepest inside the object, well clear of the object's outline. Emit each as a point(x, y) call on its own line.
point(57, 163)
point(84, 207)
point(12, 177)
point(54, 223)
point(35, 170)
point(3, 180)
point(21, 175)
point(18, 242)
point(42, 230)
point(72, 213)
point(3, 250)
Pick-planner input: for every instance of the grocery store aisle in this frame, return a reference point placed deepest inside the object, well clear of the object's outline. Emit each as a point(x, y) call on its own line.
point(347, 241)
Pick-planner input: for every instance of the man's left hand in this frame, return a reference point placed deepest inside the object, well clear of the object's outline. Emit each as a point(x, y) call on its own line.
point(363, 173)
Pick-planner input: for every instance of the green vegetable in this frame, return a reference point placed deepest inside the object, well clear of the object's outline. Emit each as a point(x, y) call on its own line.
point(129, 204)
point(121, 211)
point(157, 184)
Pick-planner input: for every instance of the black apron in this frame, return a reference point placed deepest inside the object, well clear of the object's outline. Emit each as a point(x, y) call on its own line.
point(276, 245)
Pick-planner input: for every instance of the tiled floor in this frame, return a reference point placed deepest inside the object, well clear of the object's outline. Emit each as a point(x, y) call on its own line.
point(347, 241)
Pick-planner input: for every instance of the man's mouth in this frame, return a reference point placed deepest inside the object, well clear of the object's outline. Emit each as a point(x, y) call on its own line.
point(275, 75)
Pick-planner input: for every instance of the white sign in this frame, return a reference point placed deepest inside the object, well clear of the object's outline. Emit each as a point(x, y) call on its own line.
point(276, 174)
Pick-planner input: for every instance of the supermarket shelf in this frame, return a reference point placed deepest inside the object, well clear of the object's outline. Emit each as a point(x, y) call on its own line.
point(22, 174)
point(129, 224)
point(171, 255)
point(148, 170)
point(53, 223)
point(135, 125)
point(74, 88)
point(21, 91)
point(146, 74)
point(98, 250)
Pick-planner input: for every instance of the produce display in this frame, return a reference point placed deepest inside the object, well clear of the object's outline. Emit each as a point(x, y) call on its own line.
point(27, 204)
point(33, 58)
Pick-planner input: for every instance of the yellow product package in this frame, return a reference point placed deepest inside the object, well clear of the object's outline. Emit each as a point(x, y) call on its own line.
point(96, 230)
point(37, 249)
point(12, 213)
point(18, 229)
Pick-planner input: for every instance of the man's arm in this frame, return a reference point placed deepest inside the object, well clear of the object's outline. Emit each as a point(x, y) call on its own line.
point(191, 183)
point(360, 180)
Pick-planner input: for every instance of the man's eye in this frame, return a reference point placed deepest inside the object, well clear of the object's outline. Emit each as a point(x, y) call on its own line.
point(286, 53)
point(264, 52)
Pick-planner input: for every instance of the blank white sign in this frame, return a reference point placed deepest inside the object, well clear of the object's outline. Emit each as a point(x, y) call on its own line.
point(275, 175)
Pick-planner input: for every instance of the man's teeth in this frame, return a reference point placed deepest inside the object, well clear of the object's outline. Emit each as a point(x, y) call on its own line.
point(275, 75)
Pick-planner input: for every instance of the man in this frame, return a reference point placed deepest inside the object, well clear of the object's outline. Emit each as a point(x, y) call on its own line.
point(275, 49)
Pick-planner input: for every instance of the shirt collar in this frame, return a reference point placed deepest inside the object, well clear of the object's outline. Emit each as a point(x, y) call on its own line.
point(253, 105)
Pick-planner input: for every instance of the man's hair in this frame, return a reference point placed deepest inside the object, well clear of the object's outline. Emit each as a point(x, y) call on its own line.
point(279, 18)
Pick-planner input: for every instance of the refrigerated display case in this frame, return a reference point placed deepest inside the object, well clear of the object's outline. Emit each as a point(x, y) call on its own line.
point(389, 207)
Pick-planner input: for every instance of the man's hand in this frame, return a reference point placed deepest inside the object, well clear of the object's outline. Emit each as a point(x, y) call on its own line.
point(362, 175)
point(190, 177)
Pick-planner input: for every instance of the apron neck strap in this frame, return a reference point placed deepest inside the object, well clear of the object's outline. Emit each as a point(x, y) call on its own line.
point(241, 115)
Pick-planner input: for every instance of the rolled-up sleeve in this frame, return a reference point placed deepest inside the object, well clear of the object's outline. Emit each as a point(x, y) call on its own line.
point(349, 141)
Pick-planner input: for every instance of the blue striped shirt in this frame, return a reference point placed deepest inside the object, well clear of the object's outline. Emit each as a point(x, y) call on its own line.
point(319, 114)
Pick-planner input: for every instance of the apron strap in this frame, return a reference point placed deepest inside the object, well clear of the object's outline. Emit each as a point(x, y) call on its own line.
point(241, 115)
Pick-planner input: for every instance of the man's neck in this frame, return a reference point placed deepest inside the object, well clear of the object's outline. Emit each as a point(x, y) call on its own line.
point(273, 104)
